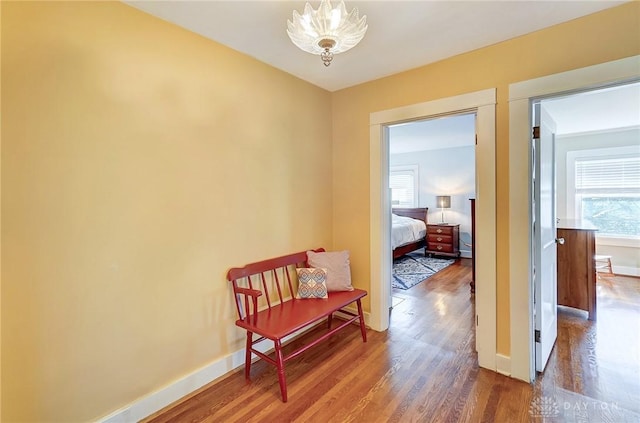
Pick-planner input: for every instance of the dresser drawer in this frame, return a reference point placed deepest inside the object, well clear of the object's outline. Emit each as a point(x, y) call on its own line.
point(443, 248)
point(443, 239)
point(435, 238)
point(440, 230)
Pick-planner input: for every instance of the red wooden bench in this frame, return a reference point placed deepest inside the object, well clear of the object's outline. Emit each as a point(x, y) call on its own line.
point(279, 314)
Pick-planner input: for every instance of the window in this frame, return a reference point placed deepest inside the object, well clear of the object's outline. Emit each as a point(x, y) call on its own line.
point(607, 193)
point(403, 181)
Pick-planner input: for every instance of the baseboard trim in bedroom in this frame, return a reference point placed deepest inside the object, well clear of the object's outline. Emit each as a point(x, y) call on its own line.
point(503, 364)
point(626, 271)
point(175, 391)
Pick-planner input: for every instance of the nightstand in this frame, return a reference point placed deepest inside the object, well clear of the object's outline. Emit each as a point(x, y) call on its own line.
point(443, 239)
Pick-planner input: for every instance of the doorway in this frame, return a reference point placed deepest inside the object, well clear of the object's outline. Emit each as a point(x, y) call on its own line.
point(430, 159)
point(520, 96)
point(595, 162)
point(482, 103)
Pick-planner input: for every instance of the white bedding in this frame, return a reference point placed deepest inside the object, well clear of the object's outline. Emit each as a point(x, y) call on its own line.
point(405, 230)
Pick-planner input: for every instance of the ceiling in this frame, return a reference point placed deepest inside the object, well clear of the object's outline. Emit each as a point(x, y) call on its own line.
point(432, 134)
point(597, 110)
point(402, 34)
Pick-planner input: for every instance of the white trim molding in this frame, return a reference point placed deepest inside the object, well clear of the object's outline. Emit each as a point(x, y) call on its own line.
point(482, 103)
point(626, 270)
point(192, 382)
point(613, 241)
point(176, 390)
point(521, 94)
point(503, 363)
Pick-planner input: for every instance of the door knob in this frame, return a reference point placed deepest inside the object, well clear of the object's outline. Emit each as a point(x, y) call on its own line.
point(560, 241)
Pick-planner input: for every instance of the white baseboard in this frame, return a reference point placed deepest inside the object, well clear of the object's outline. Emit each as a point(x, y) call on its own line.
point(182, 387)
point(626, 270)
point(465, 254)
point(503, 364)
point(171, 393)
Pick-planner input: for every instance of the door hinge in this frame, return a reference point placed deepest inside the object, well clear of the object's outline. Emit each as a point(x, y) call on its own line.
point(476, 139)
point(536, 132)
point(537, 335)
point(477, 320)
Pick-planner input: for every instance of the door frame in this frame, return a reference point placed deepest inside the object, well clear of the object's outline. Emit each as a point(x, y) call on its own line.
point(521, 96)
point(483, 104)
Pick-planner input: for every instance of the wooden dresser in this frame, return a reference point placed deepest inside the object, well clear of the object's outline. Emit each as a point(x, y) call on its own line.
point(576, 268)
point(443, 239)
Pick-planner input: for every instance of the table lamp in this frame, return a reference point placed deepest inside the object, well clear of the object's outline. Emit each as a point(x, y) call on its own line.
point(444, 202)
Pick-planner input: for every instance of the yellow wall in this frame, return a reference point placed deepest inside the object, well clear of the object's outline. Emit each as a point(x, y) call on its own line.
point(140, 161)
point(605, 36)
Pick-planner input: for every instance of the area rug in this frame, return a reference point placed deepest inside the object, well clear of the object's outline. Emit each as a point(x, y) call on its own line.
point(413, 268)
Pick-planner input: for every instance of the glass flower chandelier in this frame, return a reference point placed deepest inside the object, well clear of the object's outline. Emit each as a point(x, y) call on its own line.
point(326, 31)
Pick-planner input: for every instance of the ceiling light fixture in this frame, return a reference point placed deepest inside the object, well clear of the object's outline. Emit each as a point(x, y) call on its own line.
point(326, 31)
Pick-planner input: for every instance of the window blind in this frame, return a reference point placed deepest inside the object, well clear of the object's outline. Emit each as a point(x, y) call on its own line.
point(402, 188)
point(614, 175)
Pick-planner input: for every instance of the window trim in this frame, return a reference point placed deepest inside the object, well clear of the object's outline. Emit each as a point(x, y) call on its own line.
point(617, 241)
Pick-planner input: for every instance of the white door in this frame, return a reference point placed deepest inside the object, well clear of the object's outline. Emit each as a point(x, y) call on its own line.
point(544, 227)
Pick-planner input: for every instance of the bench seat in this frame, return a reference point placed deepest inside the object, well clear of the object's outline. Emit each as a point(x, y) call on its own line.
point(286, 318)
point(285, 315)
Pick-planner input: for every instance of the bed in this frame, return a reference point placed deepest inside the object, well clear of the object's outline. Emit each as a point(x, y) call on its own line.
point(408, 230)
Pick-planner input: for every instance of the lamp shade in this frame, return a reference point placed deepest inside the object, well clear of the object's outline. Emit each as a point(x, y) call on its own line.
point(443, 201)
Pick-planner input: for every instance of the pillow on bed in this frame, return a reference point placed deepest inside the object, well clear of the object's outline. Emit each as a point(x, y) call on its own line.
point(312, 283)
point(338, 268)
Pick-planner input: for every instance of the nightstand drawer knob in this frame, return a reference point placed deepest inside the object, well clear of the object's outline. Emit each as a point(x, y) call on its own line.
point(439, 230)
point(439, 238)
point(439, 247)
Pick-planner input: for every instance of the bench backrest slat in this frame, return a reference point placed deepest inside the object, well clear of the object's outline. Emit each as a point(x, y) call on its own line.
point(266, 290)
point(275, 278)
point(267, 272)
point(238, 298)
point(286, 270)
point(249, 281)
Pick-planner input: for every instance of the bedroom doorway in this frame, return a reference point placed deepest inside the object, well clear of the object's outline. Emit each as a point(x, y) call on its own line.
point(521, 95)
point(431, 164)
point(596, 162)
point(482, 104)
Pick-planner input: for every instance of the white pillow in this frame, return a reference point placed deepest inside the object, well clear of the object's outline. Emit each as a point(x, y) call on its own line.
point(338, 268)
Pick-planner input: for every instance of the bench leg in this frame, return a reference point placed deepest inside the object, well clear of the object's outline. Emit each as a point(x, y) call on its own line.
point(362, 327)
point(247, 357)
point(280, 365)
point(329, 320)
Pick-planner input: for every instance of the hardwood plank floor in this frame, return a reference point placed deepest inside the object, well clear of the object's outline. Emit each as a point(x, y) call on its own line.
point(424, 369)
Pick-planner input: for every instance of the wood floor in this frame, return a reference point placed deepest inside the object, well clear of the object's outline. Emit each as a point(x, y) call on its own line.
point(424, 369)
